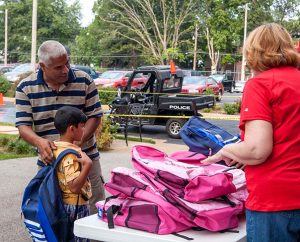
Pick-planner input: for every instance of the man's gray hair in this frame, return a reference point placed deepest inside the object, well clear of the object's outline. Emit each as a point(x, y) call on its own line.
point(50, 49)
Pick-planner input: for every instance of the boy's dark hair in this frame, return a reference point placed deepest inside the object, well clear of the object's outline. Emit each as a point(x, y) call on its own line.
point(67, 116)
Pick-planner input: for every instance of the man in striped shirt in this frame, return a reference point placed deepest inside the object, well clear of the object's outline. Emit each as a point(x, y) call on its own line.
point(38, 98)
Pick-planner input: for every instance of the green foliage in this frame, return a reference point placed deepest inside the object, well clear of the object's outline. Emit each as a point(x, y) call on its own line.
point(56, 20)
point(173, 54)
point(20, 146)
point(208, 92)
point(127, 33)
point(4, 141)
point(148, 29)
point(4, 85)
point(107, 95)
point(105, 134)
point(15, 145)
point(231, 108)
point(229, 59)
point(238, 103)
point(217, 108)
point(206, 110)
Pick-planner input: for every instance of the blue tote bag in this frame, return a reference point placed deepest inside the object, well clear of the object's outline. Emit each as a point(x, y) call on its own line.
point(204, 137)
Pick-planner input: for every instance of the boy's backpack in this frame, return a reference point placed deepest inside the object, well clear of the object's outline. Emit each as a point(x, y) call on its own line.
point(204, 137)
point(42, 207)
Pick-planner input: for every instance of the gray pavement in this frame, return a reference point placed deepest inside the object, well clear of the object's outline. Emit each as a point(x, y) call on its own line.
point(16, 174)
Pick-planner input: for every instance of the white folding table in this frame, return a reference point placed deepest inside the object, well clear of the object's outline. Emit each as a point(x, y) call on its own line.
point(92, 227)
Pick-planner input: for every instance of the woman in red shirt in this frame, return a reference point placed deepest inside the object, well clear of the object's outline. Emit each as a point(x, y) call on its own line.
point(269, 124)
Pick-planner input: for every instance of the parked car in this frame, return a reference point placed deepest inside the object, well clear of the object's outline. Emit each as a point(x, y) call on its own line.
point(239, 86)
point(86, 69)
point(199, 84)
point(5, 69)
point(119, 79)
point(225, 80)
point(13, 75)
point(192, 73)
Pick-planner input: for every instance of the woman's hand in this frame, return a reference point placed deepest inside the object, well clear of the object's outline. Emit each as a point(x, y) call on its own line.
point(219, 157)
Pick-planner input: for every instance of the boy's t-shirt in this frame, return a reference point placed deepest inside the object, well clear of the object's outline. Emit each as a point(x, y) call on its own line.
point(68, 170)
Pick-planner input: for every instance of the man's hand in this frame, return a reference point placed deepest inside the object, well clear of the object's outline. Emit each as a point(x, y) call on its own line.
point(46, 148)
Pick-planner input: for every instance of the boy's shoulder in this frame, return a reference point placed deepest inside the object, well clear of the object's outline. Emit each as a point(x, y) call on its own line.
point(62, 146)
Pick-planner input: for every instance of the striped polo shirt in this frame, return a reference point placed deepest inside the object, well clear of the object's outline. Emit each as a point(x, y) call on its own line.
point(37, 104)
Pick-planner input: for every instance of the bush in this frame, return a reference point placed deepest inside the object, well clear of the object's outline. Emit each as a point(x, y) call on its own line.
point(217, 108)
point(4, 85)
point(12, 90)
point(238, 103)
point(4, 141)
point(231, 108)
point(107, 95)
point(19, 146)
point(104, 134)
point(206, 110)
point(208, 92)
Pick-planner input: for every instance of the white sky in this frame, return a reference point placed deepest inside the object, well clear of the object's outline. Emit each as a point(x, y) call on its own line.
point(86, 11)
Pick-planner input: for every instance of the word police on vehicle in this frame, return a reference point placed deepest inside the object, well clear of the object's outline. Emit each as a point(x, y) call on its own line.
point(180, 107)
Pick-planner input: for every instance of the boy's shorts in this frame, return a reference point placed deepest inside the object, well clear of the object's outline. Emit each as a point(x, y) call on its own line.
point(82, 211)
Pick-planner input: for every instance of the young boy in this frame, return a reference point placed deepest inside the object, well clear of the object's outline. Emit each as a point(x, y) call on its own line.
point(72, 172)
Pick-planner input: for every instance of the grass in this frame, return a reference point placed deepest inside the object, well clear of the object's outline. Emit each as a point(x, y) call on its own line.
point(8, 156)
point(6, 124)
point(11, 147)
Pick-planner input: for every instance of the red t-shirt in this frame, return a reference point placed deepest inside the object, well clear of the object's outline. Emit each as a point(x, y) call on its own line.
point(274, 96)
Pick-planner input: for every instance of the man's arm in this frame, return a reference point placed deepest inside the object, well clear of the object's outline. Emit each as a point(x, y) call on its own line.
point(44, 146)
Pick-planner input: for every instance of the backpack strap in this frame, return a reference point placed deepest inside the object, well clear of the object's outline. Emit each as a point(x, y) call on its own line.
point(113, 209)
point(55, 164)
point(62, 155)
point(183, 236)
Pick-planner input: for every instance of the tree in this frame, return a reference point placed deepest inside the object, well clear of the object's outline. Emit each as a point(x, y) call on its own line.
point(56, 20)
point(153, 25)
point(285, 9)
point(213, 55)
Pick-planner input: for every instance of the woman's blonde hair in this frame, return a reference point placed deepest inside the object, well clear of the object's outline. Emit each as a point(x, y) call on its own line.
point(269, 46)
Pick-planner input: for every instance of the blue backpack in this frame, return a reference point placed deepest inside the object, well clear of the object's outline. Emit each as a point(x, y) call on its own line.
point(42, 207)
point(204, 137)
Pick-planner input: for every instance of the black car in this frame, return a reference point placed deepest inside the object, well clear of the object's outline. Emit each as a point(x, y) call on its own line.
point(227, 82)
point(86, 69)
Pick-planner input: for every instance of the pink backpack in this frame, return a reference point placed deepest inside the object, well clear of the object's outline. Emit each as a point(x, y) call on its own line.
point(215, 215)
point(189, 157)
point(138, 214)
point(190, 182)
point(176, 196)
